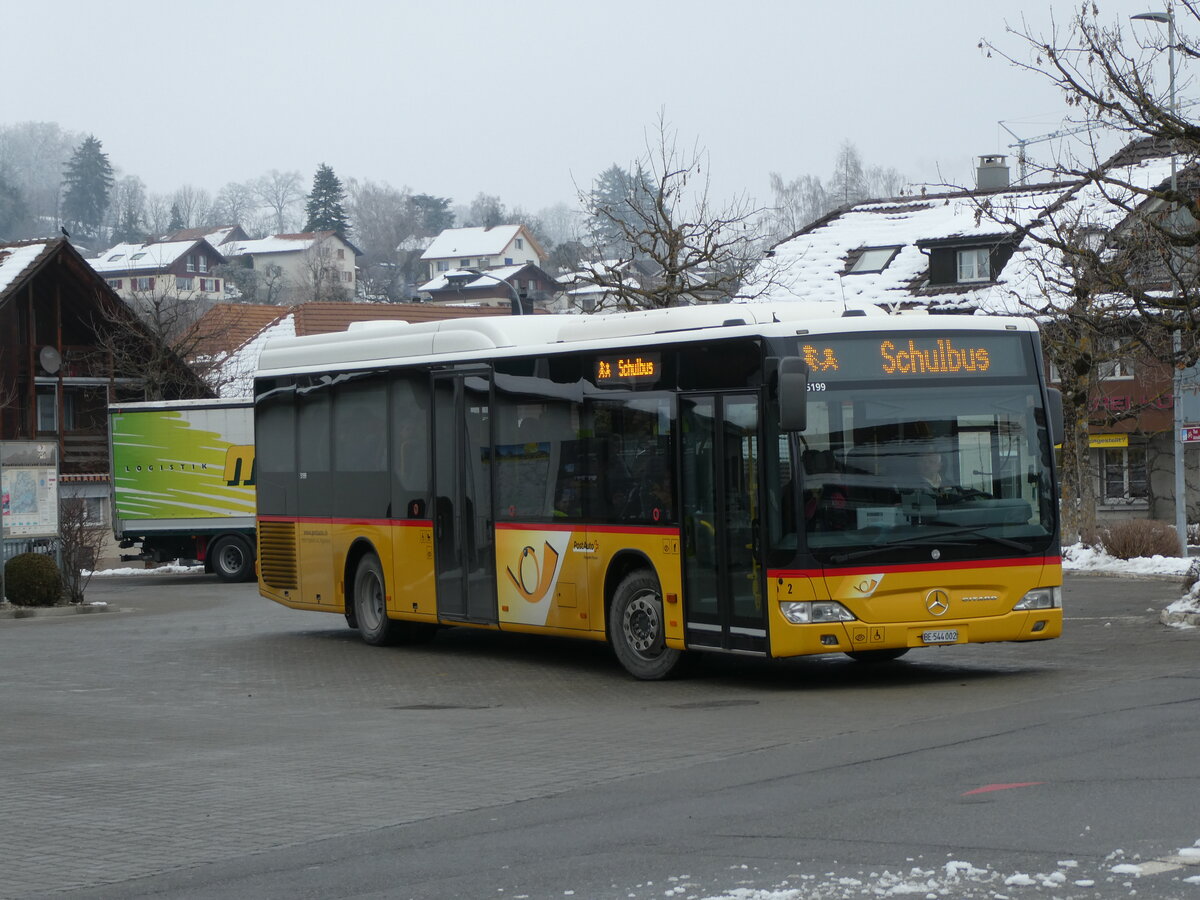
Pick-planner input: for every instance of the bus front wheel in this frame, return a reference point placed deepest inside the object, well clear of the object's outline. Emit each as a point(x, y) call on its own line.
point(636, 628)
point(370, 604)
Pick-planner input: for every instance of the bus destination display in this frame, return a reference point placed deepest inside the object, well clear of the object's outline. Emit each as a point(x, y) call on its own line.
point(902, 356)
point(629, 369)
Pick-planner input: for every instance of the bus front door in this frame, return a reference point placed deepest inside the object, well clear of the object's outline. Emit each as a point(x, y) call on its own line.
point(723, 581)
point(464, 546)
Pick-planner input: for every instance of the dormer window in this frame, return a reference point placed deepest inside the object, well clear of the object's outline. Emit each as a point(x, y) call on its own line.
point(115, 257)
point(136, 256)
point(870, 259)
point(974, 265)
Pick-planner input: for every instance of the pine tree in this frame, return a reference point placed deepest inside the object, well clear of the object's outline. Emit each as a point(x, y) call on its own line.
point(87, 183)
point(176, 223)
point(13, 212)
point(621, 202)
point(326, 207)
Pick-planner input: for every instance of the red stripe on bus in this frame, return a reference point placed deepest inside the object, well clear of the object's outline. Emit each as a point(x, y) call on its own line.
point(918, 567)
point(403, 523)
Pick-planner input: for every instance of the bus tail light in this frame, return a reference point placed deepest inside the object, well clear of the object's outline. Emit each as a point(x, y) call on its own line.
point(804, 612)
point(1041, 598)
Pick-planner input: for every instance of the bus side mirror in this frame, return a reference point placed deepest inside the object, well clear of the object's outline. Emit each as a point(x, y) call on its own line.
point(793, 394)
point(1054, 416)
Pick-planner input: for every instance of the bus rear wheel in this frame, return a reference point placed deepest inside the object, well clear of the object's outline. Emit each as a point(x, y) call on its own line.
point(370, 604)
point(636, 628)
point(877, 656)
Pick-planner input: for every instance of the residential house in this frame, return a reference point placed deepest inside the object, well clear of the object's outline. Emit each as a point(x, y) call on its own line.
point(482, 248)
point(977, 252)
point(504, 287)
point(216, 235)
point(184, 269)
point(295, 268)
point(69, 346)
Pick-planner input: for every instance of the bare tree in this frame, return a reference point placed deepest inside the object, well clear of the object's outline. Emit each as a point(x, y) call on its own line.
point(167, 330)
point(384, 218)
point(236, 204)
point(81, 541)
point(283, 194)
point(195, 206)
point(323, 281)
point(699, 250)
point(1115, 261)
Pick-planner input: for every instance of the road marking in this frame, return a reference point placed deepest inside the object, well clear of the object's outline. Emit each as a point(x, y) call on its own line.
point(988, 788)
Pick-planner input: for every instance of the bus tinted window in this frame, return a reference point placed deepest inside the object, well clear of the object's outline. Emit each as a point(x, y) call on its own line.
point(410, 446)
point(360, 450)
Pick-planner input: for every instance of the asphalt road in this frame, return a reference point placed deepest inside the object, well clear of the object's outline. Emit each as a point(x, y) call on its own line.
point(206, 743)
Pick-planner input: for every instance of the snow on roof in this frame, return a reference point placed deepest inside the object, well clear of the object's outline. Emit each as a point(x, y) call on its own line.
point(485, 279)
point(15, 260)
point(466, 242)
point(235, 372)
point(277, 243)
point(811, 265)
point(130, 257)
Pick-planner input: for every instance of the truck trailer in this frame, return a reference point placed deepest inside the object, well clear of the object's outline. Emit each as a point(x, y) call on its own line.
point(183, 483)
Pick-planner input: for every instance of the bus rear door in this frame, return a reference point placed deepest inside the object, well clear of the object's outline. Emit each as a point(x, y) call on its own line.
point(463, 539)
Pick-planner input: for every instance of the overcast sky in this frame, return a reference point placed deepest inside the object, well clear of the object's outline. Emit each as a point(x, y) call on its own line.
point(527, 99)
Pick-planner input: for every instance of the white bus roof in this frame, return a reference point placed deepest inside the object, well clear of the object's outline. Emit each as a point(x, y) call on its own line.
point(380, 344)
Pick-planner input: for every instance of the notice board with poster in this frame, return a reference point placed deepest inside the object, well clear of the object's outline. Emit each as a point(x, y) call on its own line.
point(28, 489)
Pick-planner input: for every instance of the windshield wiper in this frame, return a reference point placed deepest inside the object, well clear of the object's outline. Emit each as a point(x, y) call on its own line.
point(928, 540)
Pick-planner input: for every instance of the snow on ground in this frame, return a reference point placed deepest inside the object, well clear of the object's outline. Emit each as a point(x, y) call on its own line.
point(159, 570)
point(1069, 879)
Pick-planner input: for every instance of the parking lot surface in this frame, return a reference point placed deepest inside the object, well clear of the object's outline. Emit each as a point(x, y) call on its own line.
point(204, 740)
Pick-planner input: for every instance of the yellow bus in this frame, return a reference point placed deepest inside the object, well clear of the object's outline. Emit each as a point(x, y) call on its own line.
point(770, 480)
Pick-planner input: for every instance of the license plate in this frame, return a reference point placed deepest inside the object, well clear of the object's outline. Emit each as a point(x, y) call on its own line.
point(940, 637)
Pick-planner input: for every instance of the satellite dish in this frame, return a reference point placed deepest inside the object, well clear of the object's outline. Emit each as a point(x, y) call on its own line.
point(50, 359)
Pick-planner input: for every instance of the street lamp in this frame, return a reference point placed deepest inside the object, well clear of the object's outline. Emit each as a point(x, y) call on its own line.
point(463, 277)
point(1168, 18)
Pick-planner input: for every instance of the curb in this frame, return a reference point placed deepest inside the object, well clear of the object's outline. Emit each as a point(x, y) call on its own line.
point(1180, 618)
point(52, 612)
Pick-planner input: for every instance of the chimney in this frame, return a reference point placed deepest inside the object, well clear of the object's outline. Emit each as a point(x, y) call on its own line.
point(992, 173)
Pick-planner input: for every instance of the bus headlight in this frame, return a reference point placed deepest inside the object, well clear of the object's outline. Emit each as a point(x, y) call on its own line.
point(804, 612)
point(1041, 598)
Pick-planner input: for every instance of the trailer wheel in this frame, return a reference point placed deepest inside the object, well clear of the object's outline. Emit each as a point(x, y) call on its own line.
point(232, 558)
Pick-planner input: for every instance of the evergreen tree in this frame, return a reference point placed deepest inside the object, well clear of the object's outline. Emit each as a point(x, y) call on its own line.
point(622, 202)
point(326, 207)
point(14, 214)
point(176, 223)
point(87, 183)
point(432, 214)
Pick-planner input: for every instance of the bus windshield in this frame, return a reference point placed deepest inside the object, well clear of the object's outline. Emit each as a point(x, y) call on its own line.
point(886, 472)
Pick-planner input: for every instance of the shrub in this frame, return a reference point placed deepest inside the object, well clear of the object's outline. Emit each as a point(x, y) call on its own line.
point(32, 579)
point(1130, 538)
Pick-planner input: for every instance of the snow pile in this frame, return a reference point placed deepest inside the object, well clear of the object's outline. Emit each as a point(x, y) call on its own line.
point(1079, 558)
point(159, 570)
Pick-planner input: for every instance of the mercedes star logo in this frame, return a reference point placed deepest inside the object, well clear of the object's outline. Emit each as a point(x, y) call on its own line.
point(937, 602)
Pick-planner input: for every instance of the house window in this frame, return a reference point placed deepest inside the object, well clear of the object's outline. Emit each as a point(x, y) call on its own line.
point(115, 257)
point(873, 259)
point(974, 265)
point(142, 284)
point(464, 264)
point(47, 412)
point(520, 243)
point(185, 284)
point(210, 285)
point(203, 263)
point(443, 265)
point(114, 283)
point(347, 277)
point(508, 261)
point(1114, 366)
point(1124, 474)
point(341, 254)
point(191, 262)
